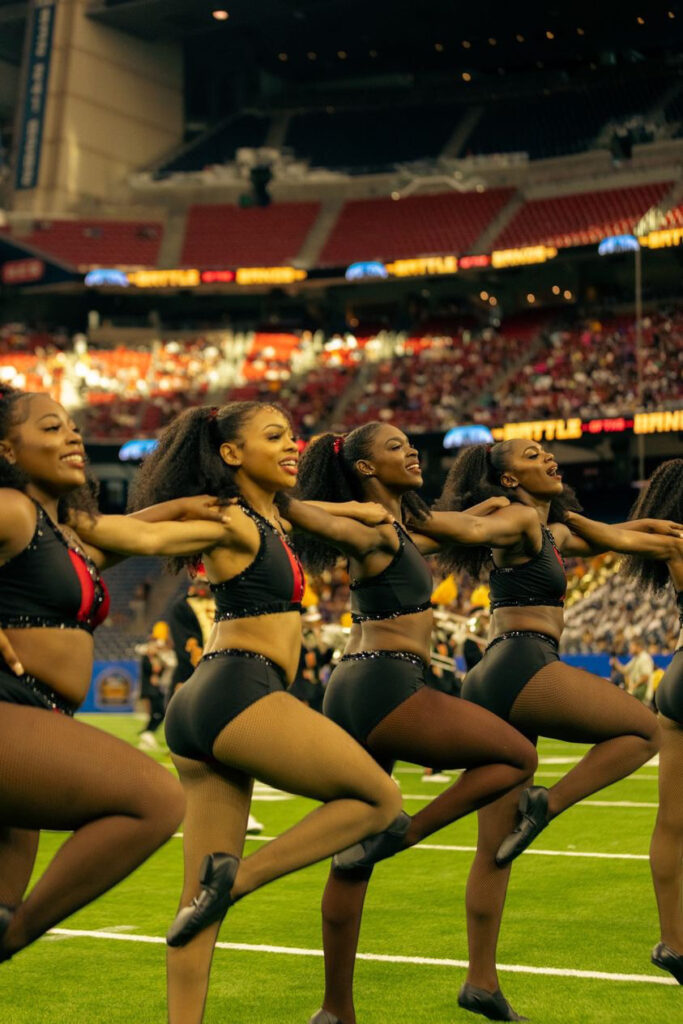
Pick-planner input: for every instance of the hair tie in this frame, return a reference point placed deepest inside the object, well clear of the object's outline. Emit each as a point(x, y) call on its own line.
point(338, 445)
point(213, 412)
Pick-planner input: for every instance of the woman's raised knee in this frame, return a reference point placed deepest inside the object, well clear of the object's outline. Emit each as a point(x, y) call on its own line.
point(163, 803)
point(389, 803)
point(651, 733)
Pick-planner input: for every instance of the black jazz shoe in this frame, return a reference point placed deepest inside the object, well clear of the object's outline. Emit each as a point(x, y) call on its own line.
point(324, 1017)
point(669, 960)
point(493, 1005)
point(533, 807)
point(374, 848)
point(217, 876)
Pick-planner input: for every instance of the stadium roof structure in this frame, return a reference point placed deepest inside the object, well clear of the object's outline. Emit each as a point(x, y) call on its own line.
point(310, 39)
point(12, 26)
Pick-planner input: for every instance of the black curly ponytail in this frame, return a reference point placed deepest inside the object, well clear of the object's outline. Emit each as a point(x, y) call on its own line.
point(661, 498)
point(327, 473)
point(475, 476)
point(187, 460)
point(14, 410)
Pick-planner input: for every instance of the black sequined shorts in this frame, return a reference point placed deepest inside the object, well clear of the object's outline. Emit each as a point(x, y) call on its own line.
point(364, 688)
point(669, 693)
point(223, 684)
point(28, 690)
point(508, 664)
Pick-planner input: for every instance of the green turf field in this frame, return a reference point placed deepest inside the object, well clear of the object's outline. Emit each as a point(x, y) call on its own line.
point(583, 914)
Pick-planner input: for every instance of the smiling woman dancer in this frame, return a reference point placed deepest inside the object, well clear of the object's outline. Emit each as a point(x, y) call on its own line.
point(663, 496)
point(56, 773)
point(378, 692)
point(233, 720)
point(521, 679)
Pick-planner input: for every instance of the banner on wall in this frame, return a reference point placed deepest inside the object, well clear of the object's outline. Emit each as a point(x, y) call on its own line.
point(33, 110)
point(114, 687)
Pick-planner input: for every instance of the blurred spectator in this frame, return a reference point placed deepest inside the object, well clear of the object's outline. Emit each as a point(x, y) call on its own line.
point(157, 662)
point(637, 672)
point(314, 665)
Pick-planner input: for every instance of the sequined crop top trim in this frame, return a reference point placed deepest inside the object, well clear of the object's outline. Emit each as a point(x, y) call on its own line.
point(679, 602)
point(273, 583)
point(51, 584)
point(540, 581)
point(404, 587)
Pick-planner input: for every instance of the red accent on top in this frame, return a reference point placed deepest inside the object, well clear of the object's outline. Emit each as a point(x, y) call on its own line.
point(297, 573)
point(87, 586)
point(85, 612)
point(558, 556)
point(103, 610)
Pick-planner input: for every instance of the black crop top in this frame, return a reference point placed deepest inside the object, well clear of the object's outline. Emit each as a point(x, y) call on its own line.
point(51, 584)
point(274, 582)
point(403, 588)
point(540, 581)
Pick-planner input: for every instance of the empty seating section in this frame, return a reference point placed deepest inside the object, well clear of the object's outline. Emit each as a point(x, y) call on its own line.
point(581, 219)
point(372, 140)
point(561, 123)
point(416, 226)
point(226, 236)
point(220, 146)
point(104, 243)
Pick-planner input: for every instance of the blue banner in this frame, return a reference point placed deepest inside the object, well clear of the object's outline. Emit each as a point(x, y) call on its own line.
point(33, 113)
point(114, 687)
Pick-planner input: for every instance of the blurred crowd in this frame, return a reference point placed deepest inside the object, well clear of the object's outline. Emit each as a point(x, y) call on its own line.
point(428, 382)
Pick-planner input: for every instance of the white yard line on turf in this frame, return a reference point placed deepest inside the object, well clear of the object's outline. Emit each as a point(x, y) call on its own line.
point(423, 961)
point(635, 777)
point(584, 803)
point(447, 848)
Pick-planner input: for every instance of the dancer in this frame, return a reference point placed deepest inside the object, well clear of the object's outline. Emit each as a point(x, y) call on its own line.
point(378, 692)
point(233, 720)
point(663, 496)
point(521, 679)
point(54, 772)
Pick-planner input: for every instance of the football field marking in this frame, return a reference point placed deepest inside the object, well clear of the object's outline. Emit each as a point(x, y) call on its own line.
point(583, 803)
point(422, 961)
point(449, 848)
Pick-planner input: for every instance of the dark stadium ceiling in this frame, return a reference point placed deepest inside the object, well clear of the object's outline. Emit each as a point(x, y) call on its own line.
point(313, 39)
point(12, 25)
point(304, 45)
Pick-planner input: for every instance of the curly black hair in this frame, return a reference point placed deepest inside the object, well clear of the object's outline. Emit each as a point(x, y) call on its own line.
point(187, 460)
point(661, 498)
point(14, 410)
point(327, 473)
point(475, 476)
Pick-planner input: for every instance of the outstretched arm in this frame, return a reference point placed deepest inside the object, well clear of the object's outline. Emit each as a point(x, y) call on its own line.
point(582, 536)
point(502, 528)
point(369, 512)
point(349, 536)
point(664, 527)
point(200, 506)
point(127, 535)
point(442, 527)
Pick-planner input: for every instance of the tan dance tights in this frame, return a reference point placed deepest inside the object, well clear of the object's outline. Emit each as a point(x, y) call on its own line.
point(281, 742)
